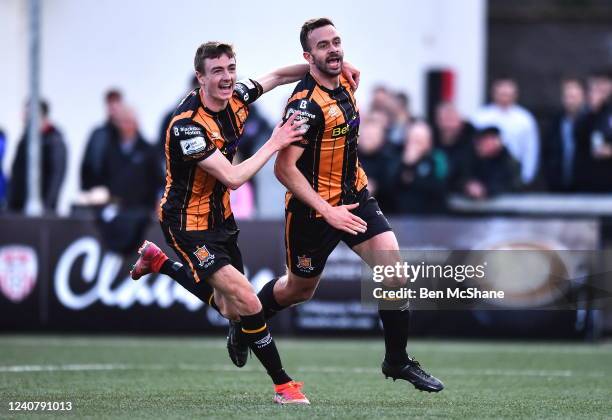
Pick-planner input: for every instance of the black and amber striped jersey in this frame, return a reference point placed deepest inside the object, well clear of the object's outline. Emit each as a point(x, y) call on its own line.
point(194, 199)
point(329, 161)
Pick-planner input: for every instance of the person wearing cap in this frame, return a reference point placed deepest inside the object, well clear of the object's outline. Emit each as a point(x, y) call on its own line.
point(490, 169)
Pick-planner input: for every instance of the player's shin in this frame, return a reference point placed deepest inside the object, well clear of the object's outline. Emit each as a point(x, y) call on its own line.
point(179, 273)
point(396, 325)
point(266, 296)
point(256, 333)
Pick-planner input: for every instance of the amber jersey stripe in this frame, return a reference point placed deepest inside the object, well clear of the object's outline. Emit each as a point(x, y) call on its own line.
point(193, 199)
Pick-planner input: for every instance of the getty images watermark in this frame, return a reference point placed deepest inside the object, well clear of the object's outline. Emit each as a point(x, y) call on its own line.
point(498, 279)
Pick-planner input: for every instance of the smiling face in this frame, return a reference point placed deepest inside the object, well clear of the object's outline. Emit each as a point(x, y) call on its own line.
point(325, 50)
point(219, 78)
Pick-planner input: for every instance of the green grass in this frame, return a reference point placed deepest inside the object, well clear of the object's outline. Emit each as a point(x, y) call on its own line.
point(192, 377)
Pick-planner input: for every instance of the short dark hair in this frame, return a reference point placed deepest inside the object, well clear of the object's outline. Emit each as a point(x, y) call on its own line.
point(211, 49)
point(113, 95)
point(44, 108)
point(309, 26)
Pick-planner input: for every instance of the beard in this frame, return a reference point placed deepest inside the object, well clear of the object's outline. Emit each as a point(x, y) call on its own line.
point(323, 66)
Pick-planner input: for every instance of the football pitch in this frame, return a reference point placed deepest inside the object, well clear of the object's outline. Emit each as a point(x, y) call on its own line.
point(134, 377)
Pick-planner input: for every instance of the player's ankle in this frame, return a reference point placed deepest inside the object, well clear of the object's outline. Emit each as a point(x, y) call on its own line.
point(397, 358)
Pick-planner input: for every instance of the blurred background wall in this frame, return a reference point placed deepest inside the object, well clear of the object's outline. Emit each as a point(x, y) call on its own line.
point(146, 49)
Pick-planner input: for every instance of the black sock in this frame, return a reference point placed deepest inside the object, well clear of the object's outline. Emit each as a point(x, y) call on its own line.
point(182, 276)
point(256, 333)
point(396, 325)
point(268, 302)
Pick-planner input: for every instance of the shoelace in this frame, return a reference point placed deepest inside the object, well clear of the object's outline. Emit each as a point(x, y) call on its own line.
point(417, 366)
point(293, 388)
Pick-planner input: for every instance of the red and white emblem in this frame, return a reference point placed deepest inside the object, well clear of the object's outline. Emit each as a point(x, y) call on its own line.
point(18, 271)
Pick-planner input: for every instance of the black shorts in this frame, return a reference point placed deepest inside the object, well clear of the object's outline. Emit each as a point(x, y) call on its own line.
point(309, 241)
point(204, 252)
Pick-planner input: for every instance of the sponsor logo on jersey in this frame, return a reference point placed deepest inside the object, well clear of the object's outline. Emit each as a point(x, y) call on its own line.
point(188, 130)
point(193, 145)
point(301, 114)
point(18, 272)
point(340, 130)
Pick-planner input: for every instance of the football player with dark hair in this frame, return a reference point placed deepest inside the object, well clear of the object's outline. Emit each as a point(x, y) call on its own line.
point(195, 212)
point(327, 200)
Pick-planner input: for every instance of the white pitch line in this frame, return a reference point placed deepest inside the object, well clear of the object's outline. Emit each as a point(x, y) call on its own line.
point(442, 347)
point(62, 368)
point(304, 369)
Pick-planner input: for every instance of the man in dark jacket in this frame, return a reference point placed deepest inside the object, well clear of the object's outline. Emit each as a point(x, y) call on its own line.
point(491, 170)
point(130, 171)
point(452, 136)
point(91, 167)
point(53, 169)
point(594, 137)
point(559, 145)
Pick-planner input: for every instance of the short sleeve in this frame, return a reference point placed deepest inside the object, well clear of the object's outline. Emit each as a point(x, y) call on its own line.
point(248, 91)
point(309, 111)
point(191, 142)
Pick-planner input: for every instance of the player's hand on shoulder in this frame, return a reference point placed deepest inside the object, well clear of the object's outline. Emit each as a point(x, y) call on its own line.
point(287, 132)
point(351, 74)
point(341, 218)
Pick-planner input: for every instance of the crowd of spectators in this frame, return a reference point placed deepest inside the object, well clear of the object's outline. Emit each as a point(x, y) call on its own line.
point(413, 165)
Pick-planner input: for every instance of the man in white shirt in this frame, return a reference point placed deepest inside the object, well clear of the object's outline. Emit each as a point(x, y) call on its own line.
point(517, 125)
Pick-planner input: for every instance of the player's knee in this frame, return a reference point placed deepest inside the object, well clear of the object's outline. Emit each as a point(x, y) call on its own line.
point(302, 294)
point(228, 311)
point(395, 282)
point(246, 301)
point(231, 314)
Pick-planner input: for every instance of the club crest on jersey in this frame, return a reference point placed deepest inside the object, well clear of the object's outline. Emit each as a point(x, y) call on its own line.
point(305, 263)
point(204, 256)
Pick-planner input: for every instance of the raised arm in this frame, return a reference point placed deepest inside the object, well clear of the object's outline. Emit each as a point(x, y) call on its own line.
point(282, 76)
point(291, 74)
point(233, 176)
point(290, 176)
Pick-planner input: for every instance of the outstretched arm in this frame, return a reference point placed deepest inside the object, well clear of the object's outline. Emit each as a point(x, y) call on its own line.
point(291, 74)
point(233, 176)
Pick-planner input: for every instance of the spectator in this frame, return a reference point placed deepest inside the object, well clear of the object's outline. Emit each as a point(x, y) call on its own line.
point(374, 154)
point(91, 167)
point(380, 99)
point(491, 170)
point(519, 131)
point(2, 179)
point(420, 176)
point(594, 137)
point(453, 136)
point(399, 108)
point(559, 146)
point(132, 175)
point(53, 164)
